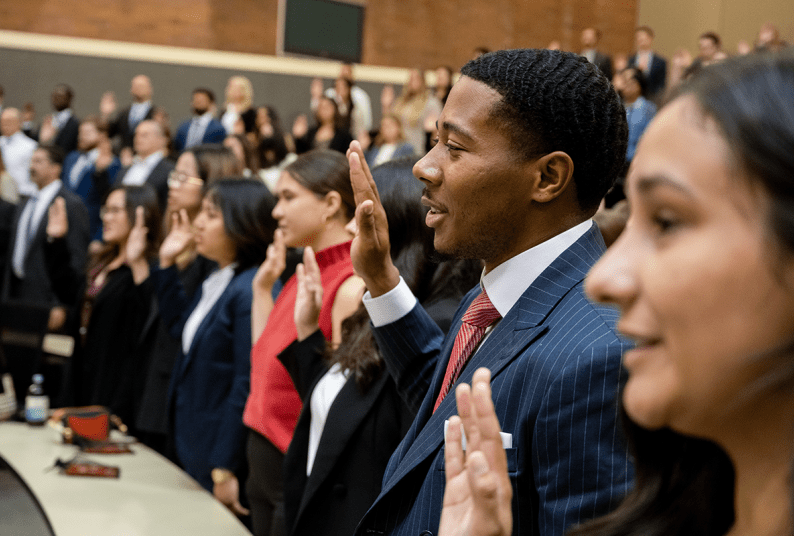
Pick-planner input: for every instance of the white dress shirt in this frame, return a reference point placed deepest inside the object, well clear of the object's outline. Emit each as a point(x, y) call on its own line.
point(211, 290)
point(17, 151)
point(504, 284)
point(138, 112)
point(59, 119)
point(198, 126)
point(323, 397)
point(141, 168)
point(83, 161)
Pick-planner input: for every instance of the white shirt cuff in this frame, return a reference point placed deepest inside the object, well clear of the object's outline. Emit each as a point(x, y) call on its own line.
point(391, 306)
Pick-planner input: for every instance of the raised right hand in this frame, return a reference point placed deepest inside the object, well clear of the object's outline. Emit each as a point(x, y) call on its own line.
point(136, 240)
point(316, 88)
point(370, 251)
point(273, 266)
point(57, 220)
point(107, 104)
point(309, 298)
point(178, 240)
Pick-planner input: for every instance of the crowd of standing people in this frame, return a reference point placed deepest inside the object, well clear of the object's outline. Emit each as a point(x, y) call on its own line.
point(294, 318)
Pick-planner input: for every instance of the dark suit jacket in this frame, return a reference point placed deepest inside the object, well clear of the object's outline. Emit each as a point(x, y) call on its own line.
point(215, 133)
point(209, 385)
point(66, 138)
point(360, 434)
point(120, 126)
point(404, 149)
point(157, 179)
point(657, 75)
point(36, 286)
point(604, 62)
point(92, 186)
point(555, 364)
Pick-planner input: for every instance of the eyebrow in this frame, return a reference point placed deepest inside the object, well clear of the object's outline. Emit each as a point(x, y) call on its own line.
point(452, 127)
point(646, 185)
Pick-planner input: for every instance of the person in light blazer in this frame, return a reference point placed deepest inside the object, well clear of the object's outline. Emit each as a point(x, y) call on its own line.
point(210, 382)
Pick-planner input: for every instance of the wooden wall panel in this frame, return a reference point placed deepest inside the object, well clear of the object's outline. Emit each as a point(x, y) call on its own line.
point(397, 33)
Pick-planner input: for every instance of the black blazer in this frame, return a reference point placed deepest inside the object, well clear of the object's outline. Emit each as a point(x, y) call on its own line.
point(157, 179)
point(37, 286)
point(66, 138)
point(657, 75)
point(361, 432)
point(604, 63)
point(120, 126)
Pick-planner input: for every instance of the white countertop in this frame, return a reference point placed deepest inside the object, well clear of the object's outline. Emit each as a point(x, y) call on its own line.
point(152, 496)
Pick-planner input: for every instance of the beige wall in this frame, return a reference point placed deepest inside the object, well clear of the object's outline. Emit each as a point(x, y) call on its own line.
point(678, 23)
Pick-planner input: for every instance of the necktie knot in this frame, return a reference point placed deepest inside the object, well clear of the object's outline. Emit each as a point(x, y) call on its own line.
point(481, 313)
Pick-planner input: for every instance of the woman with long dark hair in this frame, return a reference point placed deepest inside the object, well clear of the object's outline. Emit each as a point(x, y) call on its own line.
point(106, 366)
point(315, 203)
point(703, 276)
point(196, 170)
point(210, 381)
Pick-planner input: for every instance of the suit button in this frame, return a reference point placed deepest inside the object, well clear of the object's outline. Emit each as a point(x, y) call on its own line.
point(339, 490)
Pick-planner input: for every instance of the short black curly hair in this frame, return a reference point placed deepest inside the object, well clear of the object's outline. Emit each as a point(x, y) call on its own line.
point(558, 101)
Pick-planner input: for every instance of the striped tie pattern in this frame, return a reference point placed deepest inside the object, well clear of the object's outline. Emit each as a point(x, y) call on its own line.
point(480, 314)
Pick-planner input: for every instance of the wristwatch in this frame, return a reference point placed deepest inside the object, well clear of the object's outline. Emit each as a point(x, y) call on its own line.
point(219, 475)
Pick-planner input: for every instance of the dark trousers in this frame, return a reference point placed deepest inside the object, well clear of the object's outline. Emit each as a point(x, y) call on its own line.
point(265, 486)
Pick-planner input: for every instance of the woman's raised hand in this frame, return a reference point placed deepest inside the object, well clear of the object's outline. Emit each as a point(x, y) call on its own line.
point(478, 493)
point(57, 220)
point(309, 297)
point(273, 266)
point(178, 240)
point(136, 241)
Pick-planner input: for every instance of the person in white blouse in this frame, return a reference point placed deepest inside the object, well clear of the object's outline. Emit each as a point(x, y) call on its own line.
point(17, 149)
point(210, 382)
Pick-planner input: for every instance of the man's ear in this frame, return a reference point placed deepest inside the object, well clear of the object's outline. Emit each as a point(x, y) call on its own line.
point(553, 175)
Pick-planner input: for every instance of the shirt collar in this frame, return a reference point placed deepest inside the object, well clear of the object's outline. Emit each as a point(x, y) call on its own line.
point(50, 190)
point(508, 281)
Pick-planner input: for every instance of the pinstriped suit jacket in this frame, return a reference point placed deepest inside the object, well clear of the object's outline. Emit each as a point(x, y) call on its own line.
point(555, 364)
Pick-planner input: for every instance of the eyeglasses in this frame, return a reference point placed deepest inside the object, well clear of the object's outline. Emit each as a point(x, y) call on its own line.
point(112, 211)
point(178, 178)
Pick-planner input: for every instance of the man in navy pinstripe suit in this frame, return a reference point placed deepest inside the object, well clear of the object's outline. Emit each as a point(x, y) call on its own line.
point(529, 143)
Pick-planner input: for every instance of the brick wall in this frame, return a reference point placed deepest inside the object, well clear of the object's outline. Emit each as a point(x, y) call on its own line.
point(398, 33)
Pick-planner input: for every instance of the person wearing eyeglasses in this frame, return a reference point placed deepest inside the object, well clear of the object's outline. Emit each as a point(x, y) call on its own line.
point(106, 367)
point(196, 169)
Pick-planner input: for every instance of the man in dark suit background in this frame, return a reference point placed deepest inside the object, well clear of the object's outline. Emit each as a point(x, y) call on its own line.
point(203, 127)
point(151, 165)
point(61, 127)
point(529, 143)
point(27, 280)
point(91, 169)
point(589, 39)
point(121, 129)
point(652, 65)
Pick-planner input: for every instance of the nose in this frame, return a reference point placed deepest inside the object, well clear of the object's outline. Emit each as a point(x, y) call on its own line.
point(427, 169)
point(614, 278)
point(277, 211)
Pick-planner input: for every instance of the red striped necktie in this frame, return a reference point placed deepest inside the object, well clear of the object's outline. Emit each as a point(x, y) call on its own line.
point(480, 314)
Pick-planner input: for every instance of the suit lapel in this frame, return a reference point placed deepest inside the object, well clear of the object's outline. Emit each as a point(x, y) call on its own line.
point(206, 321)
point(515, 332)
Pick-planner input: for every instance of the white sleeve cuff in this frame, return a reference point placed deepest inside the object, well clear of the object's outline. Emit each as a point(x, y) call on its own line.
point(391, 306)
